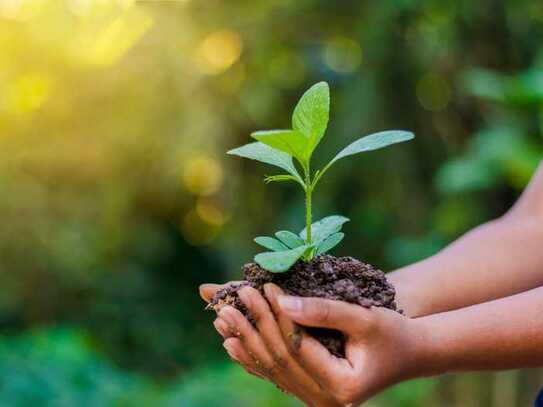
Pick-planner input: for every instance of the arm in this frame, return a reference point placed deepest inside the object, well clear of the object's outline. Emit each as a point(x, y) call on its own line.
point(501, 334)
point(495, 260)
point(384, 347)
point(500, 258)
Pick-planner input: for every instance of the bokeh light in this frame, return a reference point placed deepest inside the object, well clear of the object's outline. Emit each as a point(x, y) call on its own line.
point(118, 37)
point(202, 175)
point(210, 212)
point(117, 198)
point(218, 51)
point(342, 54)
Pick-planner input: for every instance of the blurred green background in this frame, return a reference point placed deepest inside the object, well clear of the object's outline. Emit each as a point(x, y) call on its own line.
point(117, 199)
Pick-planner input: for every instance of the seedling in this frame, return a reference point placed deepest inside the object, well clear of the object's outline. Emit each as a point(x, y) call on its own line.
point(279, 148)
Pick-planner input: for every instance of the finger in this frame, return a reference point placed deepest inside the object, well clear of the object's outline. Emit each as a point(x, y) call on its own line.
point(290, 332)
point(222, 328)
point(289, 375)
point(293, 380)
point(329, 370)
point(317, 312)
point(237, 352)
point(316, 362)
point(208, 291)
point(285, 365)
point(251, 340)
point(266, 325)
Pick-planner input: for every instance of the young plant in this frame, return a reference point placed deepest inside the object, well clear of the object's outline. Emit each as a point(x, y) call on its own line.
point(278, 148)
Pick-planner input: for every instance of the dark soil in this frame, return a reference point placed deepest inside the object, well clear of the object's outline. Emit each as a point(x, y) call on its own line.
point(344, 278)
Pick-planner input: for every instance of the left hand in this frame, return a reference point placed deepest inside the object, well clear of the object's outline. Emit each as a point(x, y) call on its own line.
point(266, 356)
point(382, 346)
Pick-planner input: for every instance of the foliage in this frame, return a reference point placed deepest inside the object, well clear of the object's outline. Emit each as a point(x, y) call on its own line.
point(58, 368)
point(279, 147)
point(116, 200)
point(223, 384)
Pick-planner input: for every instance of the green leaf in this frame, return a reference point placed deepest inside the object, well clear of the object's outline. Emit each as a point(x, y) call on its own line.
point(290, 239)
point(325, 227)
point(266, 154)
point(330, 242)
point(374, 142)
point(311, 115)
point(270, 243)
point(280, 178)
point(279, 262)
point(291, 142)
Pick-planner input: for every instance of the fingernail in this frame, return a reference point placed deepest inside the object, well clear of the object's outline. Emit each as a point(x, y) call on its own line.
point(291, 305)
point(230, 351)
point(227, 346)
point(226, 315)
point(221, 327)
point(271, 290)
point(203, 288)
point(245, 297)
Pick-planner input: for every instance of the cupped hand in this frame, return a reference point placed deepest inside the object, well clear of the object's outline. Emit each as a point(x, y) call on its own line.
point(382, 347)
point(267, 356)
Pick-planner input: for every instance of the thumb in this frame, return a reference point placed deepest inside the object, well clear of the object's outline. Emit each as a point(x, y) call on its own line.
point(208, 291)
point(322, 313)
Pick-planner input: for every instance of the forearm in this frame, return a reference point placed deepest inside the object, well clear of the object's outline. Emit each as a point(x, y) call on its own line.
point(501, 334)
point(498, 259)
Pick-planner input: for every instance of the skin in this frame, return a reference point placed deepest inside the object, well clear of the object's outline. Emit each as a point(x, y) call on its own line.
point(495, 260)
point(477, 305)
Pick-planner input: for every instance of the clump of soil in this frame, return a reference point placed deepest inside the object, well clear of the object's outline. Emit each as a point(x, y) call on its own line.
point(344, 278)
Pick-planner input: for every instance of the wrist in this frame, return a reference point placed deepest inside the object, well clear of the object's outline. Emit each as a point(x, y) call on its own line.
point(432, 353)
point(426, 356)
point(406, 296)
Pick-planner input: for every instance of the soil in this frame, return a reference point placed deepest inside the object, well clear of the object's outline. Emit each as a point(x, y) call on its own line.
point(344, 278)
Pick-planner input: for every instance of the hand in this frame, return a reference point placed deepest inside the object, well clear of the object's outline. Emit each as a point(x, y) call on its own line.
point(382, 346)
point(266, 356)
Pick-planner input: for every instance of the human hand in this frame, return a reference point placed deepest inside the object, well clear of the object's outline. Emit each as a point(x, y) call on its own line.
point(268, 357)
point(382, 346)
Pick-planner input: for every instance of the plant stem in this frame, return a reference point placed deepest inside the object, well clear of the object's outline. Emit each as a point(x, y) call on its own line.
point(308, 191)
